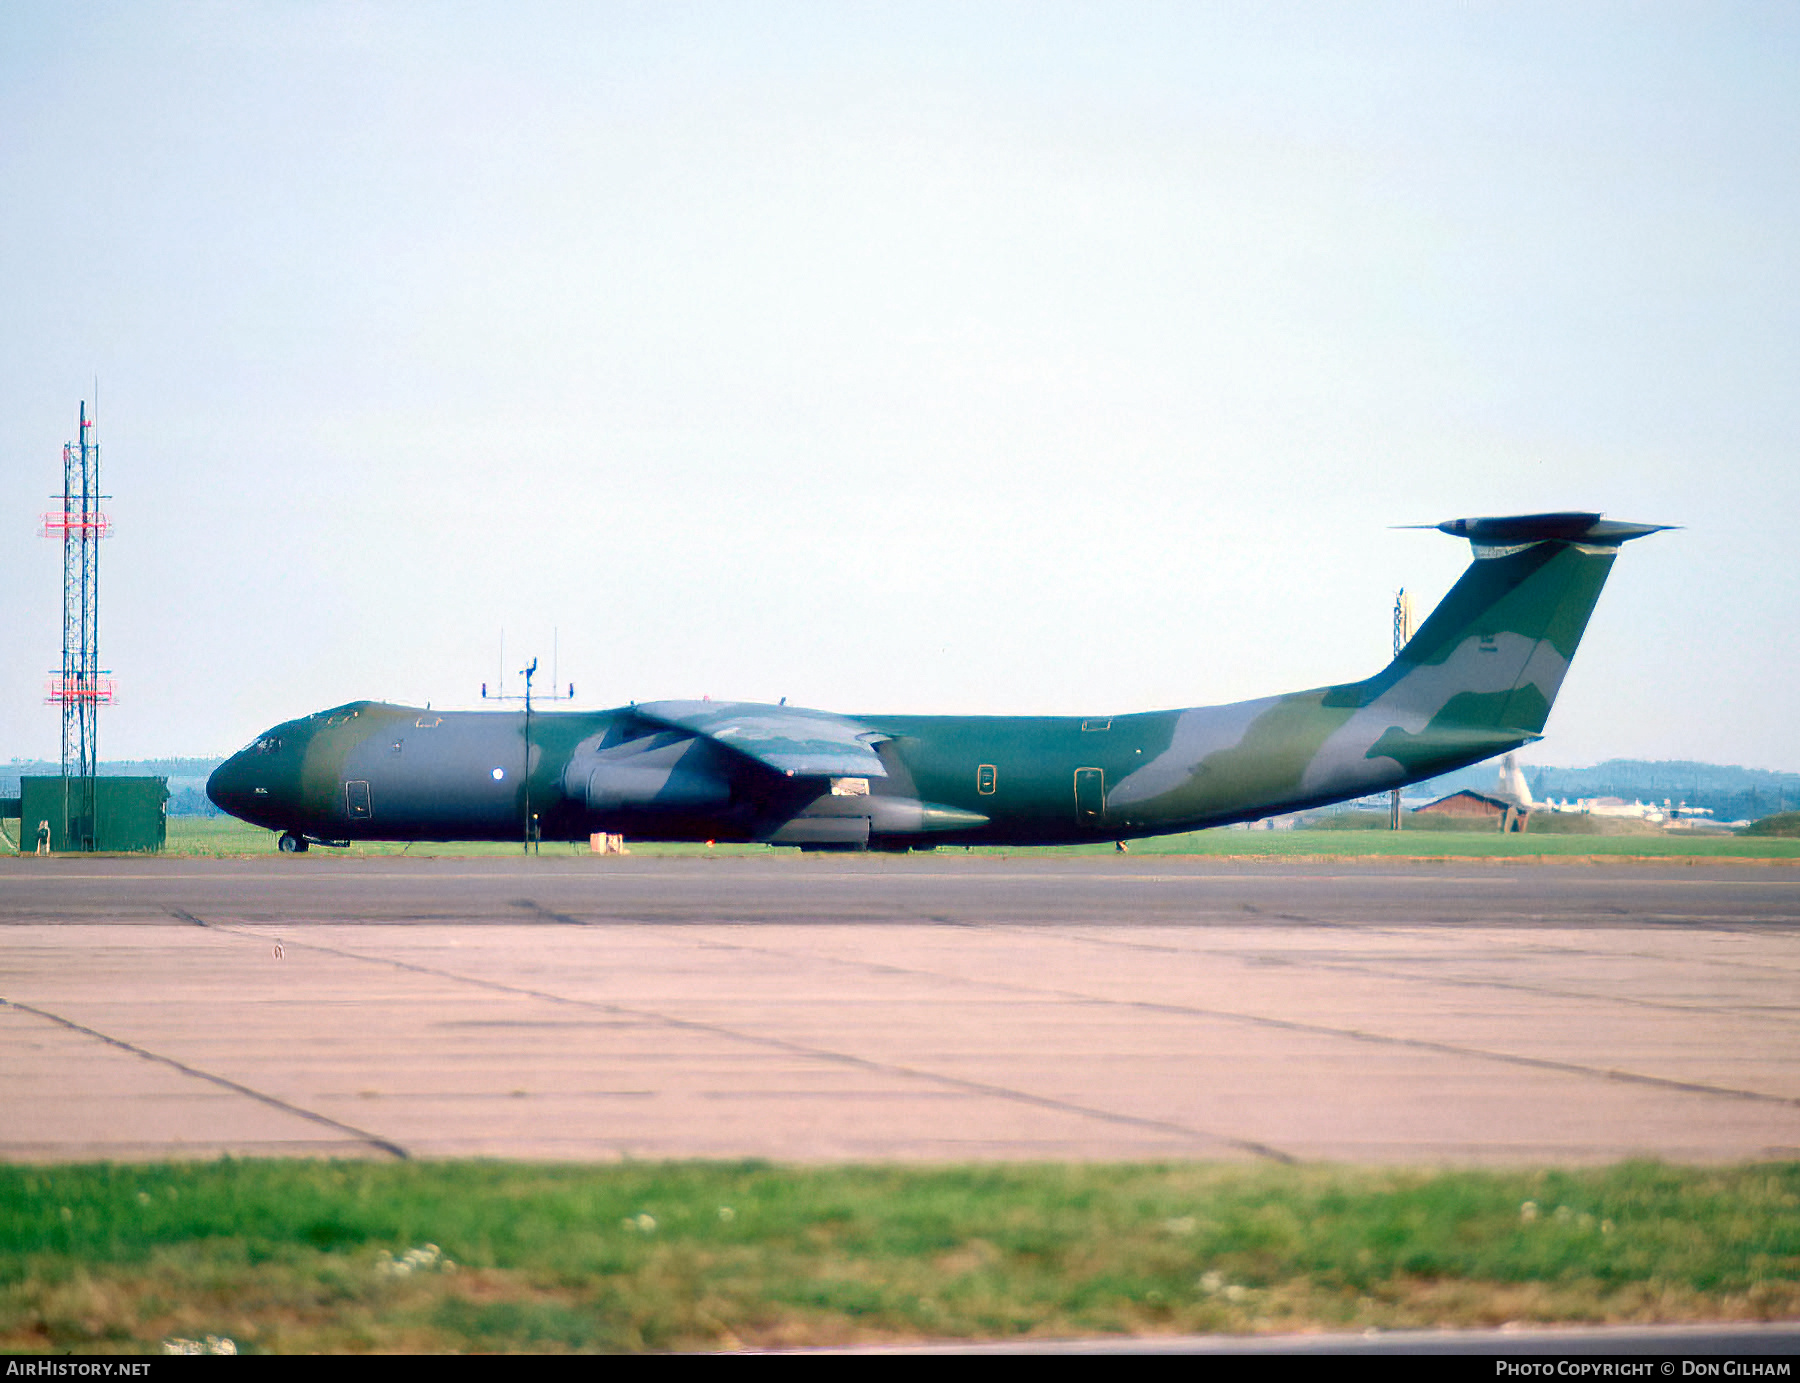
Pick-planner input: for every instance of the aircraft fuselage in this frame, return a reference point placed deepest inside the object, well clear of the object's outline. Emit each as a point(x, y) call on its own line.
point(1476, 680)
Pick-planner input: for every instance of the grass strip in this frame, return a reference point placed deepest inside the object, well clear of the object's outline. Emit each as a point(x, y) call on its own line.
point(293, 1256)
point(224, 837)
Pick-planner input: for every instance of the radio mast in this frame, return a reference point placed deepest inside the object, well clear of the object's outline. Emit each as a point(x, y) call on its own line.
point(1402, 632)
point(82, 686)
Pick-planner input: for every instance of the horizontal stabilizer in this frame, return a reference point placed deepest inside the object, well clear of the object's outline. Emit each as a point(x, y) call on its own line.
point(1538, 528)
point(793, 742)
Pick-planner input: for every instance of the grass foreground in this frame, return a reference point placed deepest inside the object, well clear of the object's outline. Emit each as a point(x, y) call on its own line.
point(228, 838)
point(293, 1256)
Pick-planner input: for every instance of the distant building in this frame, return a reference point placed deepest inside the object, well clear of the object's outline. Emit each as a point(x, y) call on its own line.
point(1619, 807)
point(1478, 806)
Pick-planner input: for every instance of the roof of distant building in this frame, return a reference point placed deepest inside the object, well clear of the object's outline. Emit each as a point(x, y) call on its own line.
point(1471, 803)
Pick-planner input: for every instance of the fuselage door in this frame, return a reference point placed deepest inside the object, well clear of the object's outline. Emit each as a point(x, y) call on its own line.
point(1090, 797)
point(356, 801)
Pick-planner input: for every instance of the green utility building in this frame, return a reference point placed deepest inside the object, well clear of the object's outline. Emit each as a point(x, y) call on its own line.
point(128, 814)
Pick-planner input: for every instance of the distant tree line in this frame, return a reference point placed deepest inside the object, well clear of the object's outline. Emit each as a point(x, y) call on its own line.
point(1732, 794)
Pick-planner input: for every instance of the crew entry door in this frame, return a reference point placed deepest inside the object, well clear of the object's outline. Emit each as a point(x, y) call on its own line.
point(356, 801)
point(1090, 797)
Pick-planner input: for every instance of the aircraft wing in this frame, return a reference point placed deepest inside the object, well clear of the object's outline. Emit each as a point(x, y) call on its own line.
point(794, 742)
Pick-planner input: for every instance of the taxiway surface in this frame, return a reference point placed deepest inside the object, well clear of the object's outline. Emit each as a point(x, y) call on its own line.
point(942, 1007)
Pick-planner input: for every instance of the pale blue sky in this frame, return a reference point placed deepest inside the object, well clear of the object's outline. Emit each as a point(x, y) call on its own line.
point(989, 358)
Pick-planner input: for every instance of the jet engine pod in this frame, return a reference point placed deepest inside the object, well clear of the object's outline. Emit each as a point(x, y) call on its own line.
point(907, 816)
point(655, 773)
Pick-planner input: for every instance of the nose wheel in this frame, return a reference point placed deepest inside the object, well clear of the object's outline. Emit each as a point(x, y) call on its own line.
point(291, 844)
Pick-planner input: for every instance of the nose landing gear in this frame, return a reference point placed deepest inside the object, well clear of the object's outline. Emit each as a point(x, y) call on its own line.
point(291, 844)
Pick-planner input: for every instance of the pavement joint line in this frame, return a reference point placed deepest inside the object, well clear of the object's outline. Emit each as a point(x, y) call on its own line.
point(1317, 1029)
point(1726, 963)
point(362, 1135)
point(1252, 1146)
point(531, 905)
point(1452, 1049)
point(1255, 1020)
point(1361, 968)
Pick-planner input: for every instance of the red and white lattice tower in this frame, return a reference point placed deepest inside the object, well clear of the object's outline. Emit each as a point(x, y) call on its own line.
point(82, 687)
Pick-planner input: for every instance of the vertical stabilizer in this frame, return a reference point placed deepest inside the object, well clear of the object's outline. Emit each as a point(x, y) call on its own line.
point(1481, 674)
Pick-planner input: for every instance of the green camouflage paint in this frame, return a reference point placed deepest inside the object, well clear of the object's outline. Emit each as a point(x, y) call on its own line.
point(1478, 679)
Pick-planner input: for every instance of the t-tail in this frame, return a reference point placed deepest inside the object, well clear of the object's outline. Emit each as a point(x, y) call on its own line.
point(1481, 674)
point(1477, 680)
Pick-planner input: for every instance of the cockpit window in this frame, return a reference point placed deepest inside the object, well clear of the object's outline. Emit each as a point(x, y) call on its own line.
point(268, 744)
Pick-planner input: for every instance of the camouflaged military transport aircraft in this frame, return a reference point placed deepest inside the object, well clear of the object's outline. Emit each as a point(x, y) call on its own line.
point(1476, 680)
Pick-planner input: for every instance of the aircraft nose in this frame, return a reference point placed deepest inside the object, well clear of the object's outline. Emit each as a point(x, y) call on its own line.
point(226, 785)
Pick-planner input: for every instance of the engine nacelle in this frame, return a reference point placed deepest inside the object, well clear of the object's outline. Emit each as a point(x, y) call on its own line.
point(660, 772)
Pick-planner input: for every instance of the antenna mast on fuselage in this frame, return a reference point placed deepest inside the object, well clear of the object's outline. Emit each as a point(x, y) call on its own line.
point(529, 842)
